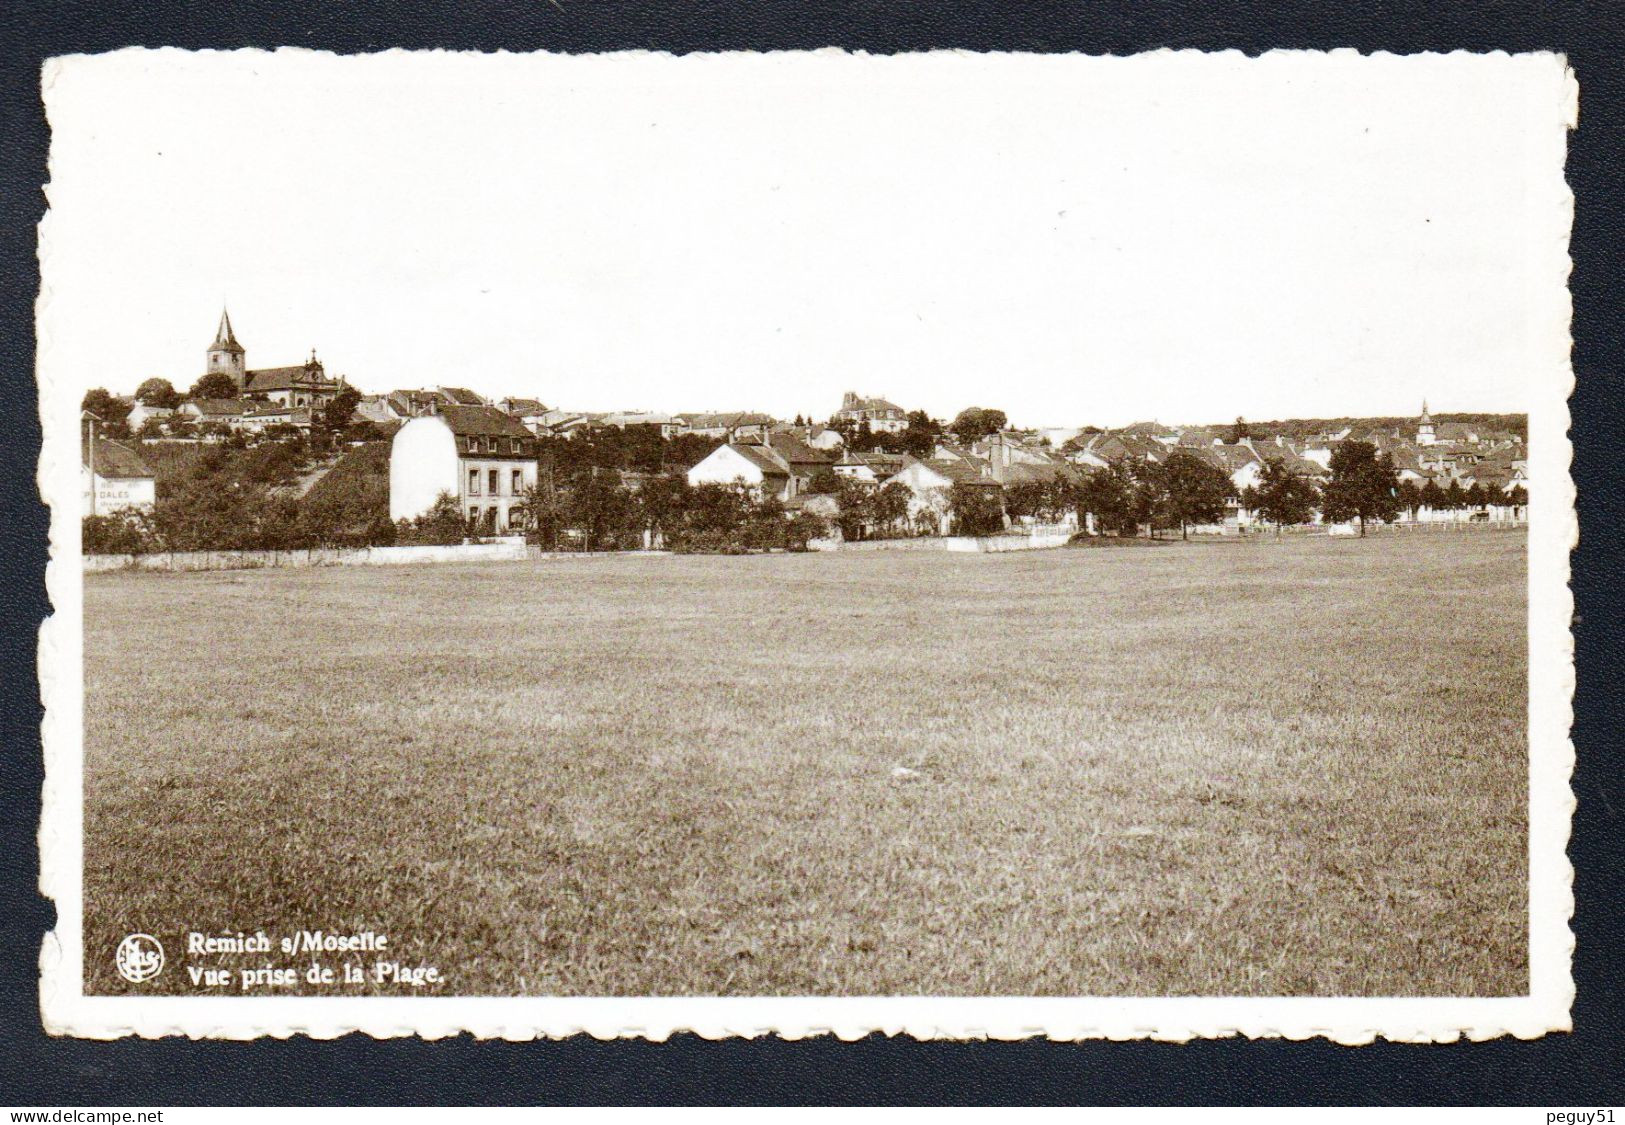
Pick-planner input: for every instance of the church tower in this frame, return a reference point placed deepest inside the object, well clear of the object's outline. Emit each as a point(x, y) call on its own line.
point(1424, 427)
point(226, 354)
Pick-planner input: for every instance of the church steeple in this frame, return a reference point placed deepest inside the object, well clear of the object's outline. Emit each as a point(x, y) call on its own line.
point(225, 355)
point(224, 338)
point(1425, 434)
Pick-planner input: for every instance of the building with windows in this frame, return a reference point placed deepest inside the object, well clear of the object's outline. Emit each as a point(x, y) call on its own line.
point(481, 457)
point(883, 417)
point(113, 478)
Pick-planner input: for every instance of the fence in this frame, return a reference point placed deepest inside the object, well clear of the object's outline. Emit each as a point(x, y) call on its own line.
point(1445, 527)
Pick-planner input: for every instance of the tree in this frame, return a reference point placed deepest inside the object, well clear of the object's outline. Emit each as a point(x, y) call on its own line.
point(123, 532)
point(160, 393)
point(216, 384)
point(442, 525)
point(660, 504)
point(1282, 496)
point(802, 528)
point(855, 501)
point(1239, 431)
point(862, 439)
point(1409, 497)
point(824, 482)
point(1364, 485)
point(598, 506)
point(1110, 495)
point(975, 423)
point(340, 409)
point(1191, 491)
point(112, 413)
point(542, 507)
point(890, 505)
point(976, 509)
point(1431, 495)
point(920, 438)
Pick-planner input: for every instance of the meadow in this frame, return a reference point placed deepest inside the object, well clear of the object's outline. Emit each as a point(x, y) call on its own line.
point(1268, 768)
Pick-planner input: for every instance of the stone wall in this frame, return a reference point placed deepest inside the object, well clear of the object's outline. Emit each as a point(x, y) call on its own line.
point(316, 556)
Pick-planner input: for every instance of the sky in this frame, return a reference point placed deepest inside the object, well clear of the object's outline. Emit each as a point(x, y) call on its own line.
point(1073, 240)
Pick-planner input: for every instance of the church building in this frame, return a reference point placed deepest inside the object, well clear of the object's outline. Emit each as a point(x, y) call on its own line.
point(302, 386)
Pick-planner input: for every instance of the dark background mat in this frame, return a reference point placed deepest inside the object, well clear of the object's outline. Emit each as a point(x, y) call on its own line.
point(1578, 1069)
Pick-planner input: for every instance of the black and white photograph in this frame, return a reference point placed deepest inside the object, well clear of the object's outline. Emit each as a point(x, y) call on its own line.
point(954, 544)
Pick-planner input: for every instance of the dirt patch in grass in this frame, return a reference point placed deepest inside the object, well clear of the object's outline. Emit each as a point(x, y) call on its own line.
point(1084, 539)
point(1298, 769)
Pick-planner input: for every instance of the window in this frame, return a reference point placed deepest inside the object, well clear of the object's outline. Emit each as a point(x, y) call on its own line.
point(473, 482)
point(518, 482)
point(515, 444)
point(490, 519)
point(473, 515)
point(490, 445)
point(473, 445)
point(495, 479)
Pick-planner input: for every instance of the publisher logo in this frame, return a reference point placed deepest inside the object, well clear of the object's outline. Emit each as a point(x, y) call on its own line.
point(139, 958)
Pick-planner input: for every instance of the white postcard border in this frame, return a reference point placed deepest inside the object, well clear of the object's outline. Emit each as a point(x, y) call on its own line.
point(1554, 528)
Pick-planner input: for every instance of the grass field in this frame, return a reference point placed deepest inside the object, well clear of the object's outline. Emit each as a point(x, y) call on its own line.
point(1291, 767)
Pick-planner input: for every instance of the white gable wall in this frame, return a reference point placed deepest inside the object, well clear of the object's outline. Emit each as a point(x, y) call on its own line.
point(422, 465)
point(725, 465)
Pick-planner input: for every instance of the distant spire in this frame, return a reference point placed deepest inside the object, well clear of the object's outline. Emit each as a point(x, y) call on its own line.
point(224, 338)
point(1425, 417)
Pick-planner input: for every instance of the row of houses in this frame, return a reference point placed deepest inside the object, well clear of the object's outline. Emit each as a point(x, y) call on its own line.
point(450, 439)
point(784, 465)
point(1442, 453)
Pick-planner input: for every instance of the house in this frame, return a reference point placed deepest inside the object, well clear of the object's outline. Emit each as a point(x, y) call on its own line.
point(410, 403)
point(377, 409)
point(669, 424)
point(744, 463)
point(1155, 431)
point(140, 414)
point(1007, 458)
point(227, 411)
point(949, 451)
point(870, 468)
point(883, 417)
point(823, 437)
point(737, 425)
point(930, 484)
point(780, 465)
point(482, 457)
point(555, 423)
point(1102, 449)
point(520, 407)
point(460, 396)
point(257, 417)
point(113, 478)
